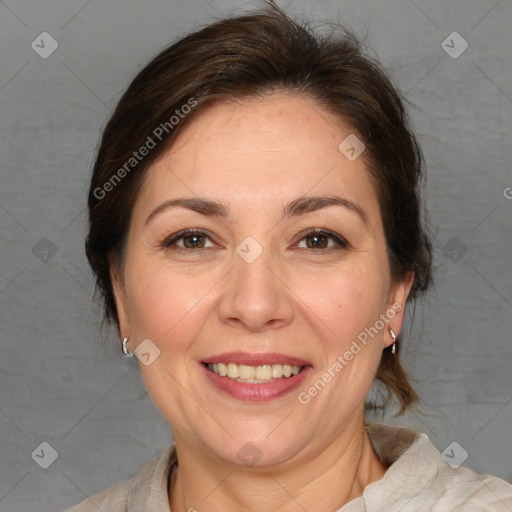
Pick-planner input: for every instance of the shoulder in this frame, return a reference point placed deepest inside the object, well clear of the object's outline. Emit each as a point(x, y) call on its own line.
point(419, 478)
point(149, 484)
point(463, 488)
point(113, 499)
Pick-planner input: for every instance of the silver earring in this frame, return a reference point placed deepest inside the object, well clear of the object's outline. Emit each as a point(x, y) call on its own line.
point(393, 335)
point(125, 350)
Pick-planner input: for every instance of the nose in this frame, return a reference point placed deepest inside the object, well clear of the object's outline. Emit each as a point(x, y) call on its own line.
point(255, 295)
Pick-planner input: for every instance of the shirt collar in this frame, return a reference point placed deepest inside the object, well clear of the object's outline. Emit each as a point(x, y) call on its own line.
point(149, 490)
point(412, 459)
point(413, 464)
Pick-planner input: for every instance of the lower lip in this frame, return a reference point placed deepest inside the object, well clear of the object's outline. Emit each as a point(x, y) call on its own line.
point(257, 392)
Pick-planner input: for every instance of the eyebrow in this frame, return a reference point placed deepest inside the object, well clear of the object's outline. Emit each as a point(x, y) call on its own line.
point(299, 206)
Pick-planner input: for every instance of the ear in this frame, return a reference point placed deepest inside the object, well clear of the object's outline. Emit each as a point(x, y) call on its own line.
point(398, 297)
point(118, 288)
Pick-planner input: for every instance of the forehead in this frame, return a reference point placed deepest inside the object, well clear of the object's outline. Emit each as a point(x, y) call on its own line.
point(258, 152)
point(272, 130)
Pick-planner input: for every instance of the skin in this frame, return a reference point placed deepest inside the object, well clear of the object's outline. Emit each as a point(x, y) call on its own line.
point(256, 156)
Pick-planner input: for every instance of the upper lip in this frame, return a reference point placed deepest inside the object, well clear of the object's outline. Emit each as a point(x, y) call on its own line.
point(256, 359)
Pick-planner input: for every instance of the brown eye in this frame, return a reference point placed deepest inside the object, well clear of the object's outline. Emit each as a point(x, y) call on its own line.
point(192, 240)
point(319, 239)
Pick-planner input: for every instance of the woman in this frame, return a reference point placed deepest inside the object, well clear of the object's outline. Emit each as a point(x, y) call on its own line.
point(255, 232)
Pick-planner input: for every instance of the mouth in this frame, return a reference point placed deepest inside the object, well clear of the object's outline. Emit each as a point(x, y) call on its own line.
point(259, 374)
point(256, 377)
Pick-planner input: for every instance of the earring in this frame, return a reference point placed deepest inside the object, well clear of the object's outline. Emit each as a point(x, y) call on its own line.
point(393, 335)
point(125, 350)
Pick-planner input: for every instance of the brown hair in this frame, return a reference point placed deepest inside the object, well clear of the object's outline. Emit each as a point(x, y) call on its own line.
point(245, 57)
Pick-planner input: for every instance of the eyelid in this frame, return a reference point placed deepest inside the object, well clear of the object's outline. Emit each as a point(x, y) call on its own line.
point(341, 241)
point(172, 239)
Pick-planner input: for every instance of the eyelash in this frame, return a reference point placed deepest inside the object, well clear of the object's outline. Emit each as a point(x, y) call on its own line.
point(169, 242)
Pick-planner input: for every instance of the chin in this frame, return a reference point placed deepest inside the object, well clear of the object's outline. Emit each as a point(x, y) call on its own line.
point(255, 450)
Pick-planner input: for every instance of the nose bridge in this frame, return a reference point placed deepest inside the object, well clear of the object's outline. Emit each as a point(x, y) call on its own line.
point(252, 268)
point(255, 295)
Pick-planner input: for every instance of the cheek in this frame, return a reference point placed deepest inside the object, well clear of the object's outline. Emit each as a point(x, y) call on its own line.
point(163, 303)
point(347, 301)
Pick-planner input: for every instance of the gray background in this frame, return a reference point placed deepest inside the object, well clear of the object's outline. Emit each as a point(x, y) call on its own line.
point(59, 385)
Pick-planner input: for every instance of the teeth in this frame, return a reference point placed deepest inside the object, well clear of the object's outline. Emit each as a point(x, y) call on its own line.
point(254, 374)
point(233, 371)
point(247, 372)
point(277, 371)
point(263, 372)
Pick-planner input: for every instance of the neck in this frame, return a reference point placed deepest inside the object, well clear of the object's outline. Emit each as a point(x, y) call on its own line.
point(326, 481)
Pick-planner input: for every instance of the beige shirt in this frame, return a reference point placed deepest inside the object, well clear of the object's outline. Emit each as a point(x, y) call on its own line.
point(418, 479)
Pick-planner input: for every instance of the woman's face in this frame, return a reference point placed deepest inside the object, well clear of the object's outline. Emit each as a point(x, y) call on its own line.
point(255, 287)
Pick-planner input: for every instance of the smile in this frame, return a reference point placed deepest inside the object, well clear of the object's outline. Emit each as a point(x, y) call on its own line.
point(254, 374)
point(255, 377)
